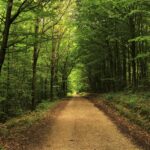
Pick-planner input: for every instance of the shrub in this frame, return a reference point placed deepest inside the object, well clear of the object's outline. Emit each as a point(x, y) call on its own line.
point(145, 111)
point(45, 105)
point(147, 96)
point(109, 97)
point(1, 147)
point(3, 130)
point(3, 116)
point(131, 103)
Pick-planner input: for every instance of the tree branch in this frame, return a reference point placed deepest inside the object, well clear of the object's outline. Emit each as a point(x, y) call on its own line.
point(20, 9)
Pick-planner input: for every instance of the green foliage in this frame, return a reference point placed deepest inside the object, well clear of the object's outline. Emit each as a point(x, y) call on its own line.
point(109, 97)
point(134, 106)
point(41, 30)
point(27, 119)
point(77, 80)
point(4, 132)
point(45, 105)
point(132, 102)
point(143, 55)
point(111, 41)
point(140, 38)
point(88, 45)
point(3, 116)
point(1, 148)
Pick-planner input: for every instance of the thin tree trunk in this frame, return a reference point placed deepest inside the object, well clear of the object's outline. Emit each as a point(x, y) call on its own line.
point(129, 68)
point(52, 67)
point(5, 35)
point(34, 64)
point(124, 68)
point(133, 51)
point(8, 75)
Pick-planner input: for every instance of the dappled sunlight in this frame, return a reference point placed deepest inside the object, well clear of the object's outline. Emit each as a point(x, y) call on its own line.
point(68, 51)
point(77, 81)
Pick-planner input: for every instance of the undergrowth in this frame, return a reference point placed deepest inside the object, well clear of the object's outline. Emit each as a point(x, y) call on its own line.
point(26, 120)
point(1, 147)
point(134, 106)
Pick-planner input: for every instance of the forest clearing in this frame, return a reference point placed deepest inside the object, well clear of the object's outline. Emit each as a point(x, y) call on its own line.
point(74, 74)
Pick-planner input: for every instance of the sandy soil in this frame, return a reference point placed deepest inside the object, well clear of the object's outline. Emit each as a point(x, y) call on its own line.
point(81, 126)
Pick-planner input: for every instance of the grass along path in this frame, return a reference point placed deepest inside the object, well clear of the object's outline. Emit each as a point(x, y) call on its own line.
point(16, 132)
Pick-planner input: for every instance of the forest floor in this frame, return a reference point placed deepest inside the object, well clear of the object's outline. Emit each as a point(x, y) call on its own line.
point(124, 118)
point(75, 125)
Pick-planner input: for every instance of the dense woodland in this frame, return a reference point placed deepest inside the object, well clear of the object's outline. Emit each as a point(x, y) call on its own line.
point(115, 42)
point(37, 52)
point(47, 45)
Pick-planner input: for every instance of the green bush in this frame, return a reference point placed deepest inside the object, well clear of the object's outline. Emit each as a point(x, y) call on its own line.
point(131, 103)
point(29, 118)
point(134, 106)
point(147, 96)
point(1, 147)
point(45, 105)
point(145, 111)
point(3, 130)
point(109, 97)
point(3, 116)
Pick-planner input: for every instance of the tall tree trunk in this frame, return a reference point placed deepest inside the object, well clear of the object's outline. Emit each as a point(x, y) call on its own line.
point(133, 50)
point(52, 66)
point(64, 86)
point(5, 33)
point(8, 75)
point(129, 68)
point(64, 79)
point(45, 88)
point(124, 68)
point(34, 64)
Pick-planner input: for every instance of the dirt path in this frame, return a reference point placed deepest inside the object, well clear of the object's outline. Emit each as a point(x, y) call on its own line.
point(81, 126)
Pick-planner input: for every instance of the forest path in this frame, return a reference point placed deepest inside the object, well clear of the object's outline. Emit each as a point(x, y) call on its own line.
point(81, 126)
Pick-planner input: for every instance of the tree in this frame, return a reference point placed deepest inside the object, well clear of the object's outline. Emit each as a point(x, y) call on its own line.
point(8, 22)
point(108, 38)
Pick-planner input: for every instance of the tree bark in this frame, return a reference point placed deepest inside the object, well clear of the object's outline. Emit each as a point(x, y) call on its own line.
point(5, 35)
point(52, 66)
point(124, 68)
point(34, 64)
point(133, 51)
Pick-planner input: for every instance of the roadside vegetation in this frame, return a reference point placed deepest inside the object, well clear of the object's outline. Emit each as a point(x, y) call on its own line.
point(134, 106)
point(16, 126)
